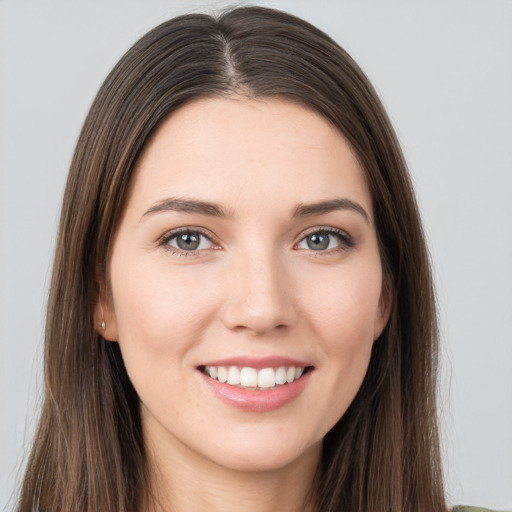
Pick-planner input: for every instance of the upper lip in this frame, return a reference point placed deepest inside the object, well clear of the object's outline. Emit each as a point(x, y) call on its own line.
point(257, 362)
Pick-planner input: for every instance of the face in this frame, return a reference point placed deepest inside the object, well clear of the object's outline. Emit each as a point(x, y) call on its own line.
point(245, 282)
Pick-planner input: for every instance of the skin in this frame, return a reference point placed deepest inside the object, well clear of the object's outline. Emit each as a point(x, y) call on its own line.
point(254, 287)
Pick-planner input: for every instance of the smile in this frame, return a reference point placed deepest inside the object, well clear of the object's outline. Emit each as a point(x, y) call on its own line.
point(256, 384)
point(252, 378)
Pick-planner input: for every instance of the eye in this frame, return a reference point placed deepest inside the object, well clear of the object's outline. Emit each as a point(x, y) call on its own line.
point(187, 241)
point(324, 240)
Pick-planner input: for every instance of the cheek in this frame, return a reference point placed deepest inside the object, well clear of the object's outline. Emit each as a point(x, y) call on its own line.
point(160, 312)
point(343, 318)
point(161, 317)
point(345, 309)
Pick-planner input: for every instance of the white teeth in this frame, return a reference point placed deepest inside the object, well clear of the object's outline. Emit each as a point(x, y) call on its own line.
point(281, 375)
point(233, 375)
point(222, 374)
point(266, 378)
point(248, 377)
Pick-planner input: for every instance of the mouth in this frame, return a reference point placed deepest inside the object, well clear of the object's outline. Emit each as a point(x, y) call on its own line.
point(247, 377)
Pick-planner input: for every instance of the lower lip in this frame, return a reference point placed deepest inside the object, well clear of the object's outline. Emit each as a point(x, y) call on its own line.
point(256, 400)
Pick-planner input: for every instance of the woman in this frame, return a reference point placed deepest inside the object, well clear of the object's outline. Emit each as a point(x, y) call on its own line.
point(241, 312)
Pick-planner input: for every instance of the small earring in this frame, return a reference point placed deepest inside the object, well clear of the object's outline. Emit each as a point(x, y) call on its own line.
point(103, 325)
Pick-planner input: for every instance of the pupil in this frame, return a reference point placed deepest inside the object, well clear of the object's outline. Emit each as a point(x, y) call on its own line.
point(188, 241)
point(318, 241)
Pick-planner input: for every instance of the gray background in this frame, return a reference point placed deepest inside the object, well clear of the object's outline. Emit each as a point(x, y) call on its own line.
point(444, 71)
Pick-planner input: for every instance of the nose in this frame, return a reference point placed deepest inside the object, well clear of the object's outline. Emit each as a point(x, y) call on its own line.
point(259, 295)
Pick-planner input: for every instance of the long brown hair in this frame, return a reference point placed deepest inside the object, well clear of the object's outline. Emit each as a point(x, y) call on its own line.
point(88, 454)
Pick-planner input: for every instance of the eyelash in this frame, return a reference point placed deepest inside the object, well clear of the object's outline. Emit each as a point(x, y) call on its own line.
point(345, 241)
point(165, 240)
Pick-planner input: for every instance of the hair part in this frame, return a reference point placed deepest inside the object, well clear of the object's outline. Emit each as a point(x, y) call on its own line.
point(88, 454)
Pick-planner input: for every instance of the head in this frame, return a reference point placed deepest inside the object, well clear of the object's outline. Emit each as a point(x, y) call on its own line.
point(252, 56)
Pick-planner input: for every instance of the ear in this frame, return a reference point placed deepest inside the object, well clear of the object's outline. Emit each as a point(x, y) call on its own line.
point(105, 323)
point(384, 308)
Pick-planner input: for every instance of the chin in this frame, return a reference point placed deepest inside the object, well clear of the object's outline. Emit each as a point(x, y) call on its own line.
point(252, 457)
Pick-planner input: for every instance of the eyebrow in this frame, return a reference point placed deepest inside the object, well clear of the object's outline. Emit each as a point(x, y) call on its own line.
point(177, 204)
point(306, 210)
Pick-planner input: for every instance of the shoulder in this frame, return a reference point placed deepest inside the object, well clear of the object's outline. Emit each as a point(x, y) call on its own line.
point(464, 508)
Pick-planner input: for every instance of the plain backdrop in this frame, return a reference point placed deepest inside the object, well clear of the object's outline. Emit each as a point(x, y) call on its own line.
point(444, 71)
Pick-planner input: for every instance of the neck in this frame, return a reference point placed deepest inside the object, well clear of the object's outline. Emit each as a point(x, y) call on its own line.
point(182, 481)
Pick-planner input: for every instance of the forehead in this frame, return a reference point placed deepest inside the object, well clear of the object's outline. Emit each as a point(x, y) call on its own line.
point(238, 151)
